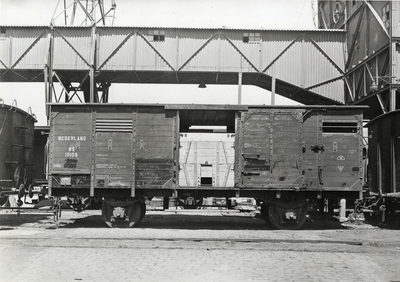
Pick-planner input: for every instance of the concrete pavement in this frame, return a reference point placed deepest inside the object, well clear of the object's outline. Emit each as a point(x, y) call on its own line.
point(122, 263)
point(191, 248)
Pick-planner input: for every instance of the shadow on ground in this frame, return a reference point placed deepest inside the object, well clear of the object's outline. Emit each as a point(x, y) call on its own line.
point(159, 220)
point(198, 222)
point(13, 220)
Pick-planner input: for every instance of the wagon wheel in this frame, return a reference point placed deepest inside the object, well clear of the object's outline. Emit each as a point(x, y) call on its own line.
point(287, 218)
point(264, 212)
point(30, 191)
point(21, 191)
point(127, 216)
point(143, 210)
point(135, 213)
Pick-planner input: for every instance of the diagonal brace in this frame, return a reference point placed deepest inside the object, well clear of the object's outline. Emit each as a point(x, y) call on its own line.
point(117, 49)
point(281, 53)
point(237, 49)
point(198, 51)
point(73, 48)
point(155, 50)
point(29, 48)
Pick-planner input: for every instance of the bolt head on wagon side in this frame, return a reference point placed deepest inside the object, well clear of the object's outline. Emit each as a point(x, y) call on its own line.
point(285, 157)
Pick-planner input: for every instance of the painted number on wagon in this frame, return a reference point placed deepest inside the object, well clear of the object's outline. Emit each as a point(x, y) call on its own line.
point(71, 153)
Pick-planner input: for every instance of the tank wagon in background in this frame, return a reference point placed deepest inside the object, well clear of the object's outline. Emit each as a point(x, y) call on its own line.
point(16, 151)
point(286, 157)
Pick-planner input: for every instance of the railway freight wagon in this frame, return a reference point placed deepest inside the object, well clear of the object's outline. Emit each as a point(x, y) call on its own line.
point(384, 168)
point(16, 152)
point(285, 157)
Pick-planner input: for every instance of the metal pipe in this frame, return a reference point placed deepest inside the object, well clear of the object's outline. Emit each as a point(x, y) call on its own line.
point(395, 195)
point(240, 88)
point(273, 86)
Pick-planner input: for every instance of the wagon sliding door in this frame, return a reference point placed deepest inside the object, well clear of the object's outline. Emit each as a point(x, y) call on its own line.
point(135, 148)
point(114, 151)
point(155, 148)
point(270, 143)
point(342, 152)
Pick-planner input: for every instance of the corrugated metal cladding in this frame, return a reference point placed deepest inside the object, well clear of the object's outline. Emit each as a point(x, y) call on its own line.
point(209, 50)
point(304, 65)
point(27, 47)
point(139, 50)
point(65, 57)
point(396, 18)
point(331, 90)
point(194, 49)
point(225, 50)
point(293, 54)
point(14, 42)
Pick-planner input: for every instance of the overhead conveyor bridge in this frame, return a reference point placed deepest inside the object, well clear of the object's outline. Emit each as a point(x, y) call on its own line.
point(304, 65)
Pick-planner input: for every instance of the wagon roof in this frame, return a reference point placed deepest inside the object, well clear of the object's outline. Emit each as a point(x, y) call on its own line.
point(220, 107)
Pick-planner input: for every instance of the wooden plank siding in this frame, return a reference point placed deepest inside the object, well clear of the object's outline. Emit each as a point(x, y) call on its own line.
point(384, 153)
point(143, 147)
point(271, 153)
point(155, 148)
point(70, 142)
point(310, 136)
point(300, 148)
point(124, 147)
point(16, 147)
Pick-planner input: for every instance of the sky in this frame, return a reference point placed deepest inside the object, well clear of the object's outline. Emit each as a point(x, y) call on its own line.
point(258, 14)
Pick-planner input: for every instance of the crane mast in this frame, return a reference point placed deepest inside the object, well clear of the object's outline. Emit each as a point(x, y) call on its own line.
point(84, 13)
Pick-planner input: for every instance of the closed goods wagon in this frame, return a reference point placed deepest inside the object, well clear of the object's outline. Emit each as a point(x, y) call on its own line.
point(286, 158)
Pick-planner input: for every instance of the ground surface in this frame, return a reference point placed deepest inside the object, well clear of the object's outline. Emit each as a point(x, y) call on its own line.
point(197, 245)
